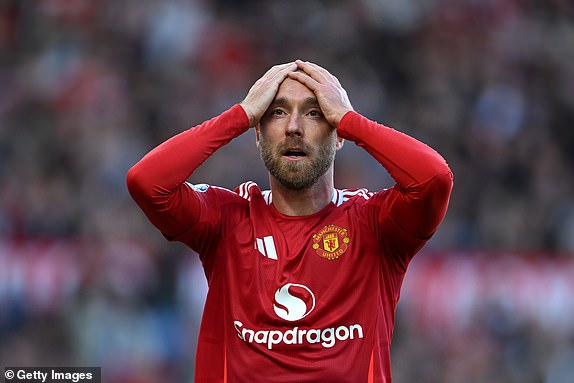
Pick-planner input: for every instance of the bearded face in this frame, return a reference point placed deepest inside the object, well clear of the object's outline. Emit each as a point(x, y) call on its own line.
point(295, 164)
point(296, 142)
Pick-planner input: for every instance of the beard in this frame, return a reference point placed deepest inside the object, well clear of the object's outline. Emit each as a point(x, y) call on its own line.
point(298, 175)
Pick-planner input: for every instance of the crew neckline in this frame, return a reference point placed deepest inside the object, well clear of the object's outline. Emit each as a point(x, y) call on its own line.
point(269, 200)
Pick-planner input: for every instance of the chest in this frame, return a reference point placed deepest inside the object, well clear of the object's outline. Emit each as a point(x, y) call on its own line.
point(330, 252)
point(316, 272)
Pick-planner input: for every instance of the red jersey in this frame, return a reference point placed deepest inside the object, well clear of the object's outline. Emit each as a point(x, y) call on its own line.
point(296, 298)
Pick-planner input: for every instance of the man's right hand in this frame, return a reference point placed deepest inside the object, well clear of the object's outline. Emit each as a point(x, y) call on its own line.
point(263, 92)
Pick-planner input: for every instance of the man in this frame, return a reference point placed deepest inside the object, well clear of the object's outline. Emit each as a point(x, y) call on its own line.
point(303, 278)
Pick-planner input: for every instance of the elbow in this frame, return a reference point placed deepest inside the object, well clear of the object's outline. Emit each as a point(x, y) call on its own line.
point(443, 179)
point(434, 170)
point(435, 203)
point(443, 184)
point(438, 194)
point(136, 182)
point(447, 177)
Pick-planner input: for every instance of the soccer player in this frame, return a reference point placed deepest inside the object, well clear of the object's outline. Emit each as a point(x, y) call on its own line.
point(303, 278)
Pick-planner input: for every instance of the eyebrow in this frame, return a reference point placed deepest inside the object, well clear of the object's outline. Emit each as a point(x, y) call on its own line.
point(283, 102)
point(311, 101)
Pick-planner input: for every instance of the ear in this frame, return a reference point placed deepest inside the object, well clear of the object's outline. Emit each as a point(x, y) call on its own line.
point(340, 143)
point(257, 135)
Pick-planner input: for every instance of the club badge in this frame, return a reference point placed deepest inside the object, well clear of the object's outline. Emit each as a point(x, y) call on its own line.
point(331, 242)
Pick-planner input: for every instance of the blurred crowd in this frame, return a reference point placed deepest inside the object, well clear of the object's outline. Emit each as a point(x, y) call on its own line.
point(87, 87)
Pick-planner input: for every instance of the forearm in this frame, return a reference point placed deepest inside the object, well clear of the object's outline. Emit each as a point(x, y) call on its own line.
point(157, 180)
point(419, 201)
point(408, 161)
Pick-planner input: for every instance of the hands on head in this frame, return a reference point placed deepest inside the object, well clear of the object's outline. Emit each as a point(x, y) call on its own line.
point(332, 97)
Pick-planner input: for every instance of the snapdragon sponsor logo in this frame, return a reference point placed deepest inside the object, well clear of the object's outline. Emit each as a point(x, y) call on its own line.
point(293, 302)
point(327, 337)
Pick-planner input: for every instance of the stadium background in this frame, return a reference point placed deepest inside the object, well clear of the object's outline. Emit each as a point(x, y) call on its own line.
point(88, 87)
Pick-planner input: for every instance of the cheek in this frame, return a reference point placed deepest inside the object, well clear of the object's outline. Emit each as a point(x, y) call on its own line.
point(328, 138)
point(266, 147)
point(265, 142)
point(270, 132)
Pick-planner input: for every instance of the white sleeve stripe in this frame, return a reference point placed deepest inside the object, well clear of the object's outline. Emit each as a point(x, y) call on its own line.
point(347, 194)
point(244, 189)
point(335, 196)
point(267, 196)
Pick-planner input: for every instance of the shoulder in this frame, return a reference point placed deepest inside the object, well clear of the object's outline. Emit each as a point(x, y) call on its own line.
point(362, 199)
point(206, 189)
point(248, 189)
point(351, 196)
point(243, 193)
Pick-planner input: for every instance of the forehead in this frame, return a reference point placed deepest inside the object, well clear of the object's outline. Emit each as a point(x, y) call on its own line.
point(293, 90)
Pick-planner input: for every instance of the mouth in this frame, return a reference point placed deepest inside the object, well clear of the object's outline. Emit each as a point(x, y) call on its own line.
point(294, 154)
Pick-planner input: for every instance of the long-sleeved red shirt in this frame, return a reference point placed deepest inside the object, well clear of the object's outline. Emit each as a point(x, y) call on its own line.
point(296, 299)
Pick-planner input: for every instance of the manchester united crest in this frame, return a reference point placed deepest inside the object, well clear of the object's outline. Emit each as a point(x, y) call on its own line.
point(331, 242)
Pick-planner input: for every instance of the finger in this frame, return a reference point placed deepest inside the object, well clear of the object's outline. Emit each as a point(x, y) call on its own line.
point(305, 79)
point(279, 68)
point(278, 73)
point(276, 68)
point(270, 74)
point(312, 71)
point(325, 72)
point(286, 69)
point(318, 68)
point(318, 72)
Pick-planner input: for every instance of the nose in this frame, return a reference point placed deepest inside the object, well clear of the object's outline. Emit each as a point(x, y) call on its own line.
point(294, 126)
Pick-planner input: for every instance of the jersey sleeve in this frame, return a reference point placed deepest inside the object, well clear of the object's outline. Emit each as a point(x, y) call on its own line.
point(157, 183)
point(409, 213)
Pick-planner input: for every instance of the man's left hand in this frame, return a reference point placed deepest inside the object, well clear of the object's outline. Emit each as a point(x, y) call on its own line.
point(332, 97)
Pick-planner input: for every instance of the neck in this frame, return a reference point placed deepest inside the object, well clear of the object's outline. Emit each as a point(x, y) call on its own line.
point(303, 202)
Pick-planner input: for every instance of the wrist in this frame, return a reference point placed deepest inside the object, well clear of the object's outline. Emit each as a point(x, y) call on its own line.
point(250, 114)
point(337, 119)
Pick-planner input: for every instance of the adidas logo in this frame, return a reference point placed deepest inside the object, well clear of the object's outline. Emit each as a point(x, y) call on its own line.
point(266, 246)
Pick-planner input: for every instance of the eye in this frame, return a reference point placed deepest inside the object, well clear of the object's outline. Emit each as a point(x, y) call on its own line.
point(277, 112)
point(315, 113)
